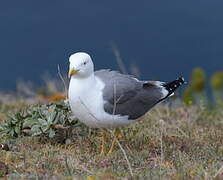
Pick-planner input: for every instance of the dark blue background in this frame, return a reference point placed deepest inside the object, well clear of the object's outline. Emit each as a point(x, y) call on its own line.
point(165, 38)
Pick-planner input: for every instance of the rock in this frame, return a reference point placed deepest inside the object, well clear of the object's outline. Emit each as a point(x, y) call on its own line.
point(68, 141)
point(4, 147)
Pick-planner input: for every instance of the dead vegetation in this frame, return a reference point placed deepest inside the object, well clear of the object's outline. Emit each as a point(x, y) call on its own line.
point(184, 142)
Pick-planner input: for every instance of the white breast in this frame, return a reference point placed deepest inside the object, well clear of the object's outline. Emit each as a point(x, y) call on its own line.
point(87, 104)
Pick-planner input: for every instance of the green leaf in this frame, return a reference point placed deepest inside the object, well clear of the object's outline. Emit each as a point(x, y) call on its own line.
point(17, 130)
point(35, 128)
point(52, 117)
point(12, 133)
point(42, 122)
point(29, 122)
point(18, 116)
point(1, 128)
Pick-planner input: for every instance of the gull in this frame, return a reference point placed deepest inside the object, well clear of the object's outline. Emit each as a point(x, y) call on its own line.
point(109, 99)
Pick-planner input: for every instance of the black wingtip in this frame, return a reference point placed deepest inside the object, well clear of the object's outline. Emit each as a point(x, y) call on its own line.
point(181, 80)
point(172, 86)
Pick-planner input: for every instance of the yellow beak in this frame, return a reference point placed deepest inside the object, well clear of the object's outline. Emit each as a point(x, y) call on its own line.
point(72, 72)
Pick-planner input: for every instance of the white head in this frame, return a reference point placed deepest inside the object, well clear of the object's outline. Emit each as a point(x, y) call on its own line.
point(81, 65)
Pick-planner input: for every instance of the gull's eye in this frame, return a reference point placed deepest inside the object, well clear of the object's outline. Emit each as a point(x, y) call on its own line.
point(85, 63)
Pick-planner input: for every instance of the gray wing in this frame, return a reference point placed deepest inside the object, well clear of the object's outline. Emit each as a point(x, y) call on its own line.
point(125, 95)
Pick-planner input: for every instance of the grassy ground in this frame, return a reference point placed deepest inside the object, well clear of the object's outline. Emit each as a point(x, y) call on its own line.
point(169, 143)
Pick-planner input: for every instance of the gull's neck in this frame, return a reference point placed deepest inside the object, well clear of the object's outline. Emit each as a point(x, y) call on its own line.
point(83, 84)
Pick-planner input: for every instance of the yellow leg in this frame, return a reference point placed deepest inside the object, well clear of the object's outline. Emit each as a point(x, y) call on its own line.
point(112, 146)
point(103, 148)
point(117, 135)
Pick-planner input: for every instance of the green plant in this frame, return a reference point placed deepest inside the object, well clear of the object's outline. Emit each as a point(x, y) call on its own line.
point(217, 87)
point(187, 96)
point(195, 93)
point(13, 126)
point(198, 78)
point(217, 81)
point(39, 120)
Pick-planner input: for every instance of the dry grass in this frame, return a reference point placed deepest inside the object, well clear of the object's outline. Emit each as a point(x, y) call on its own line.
point(169, 143)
